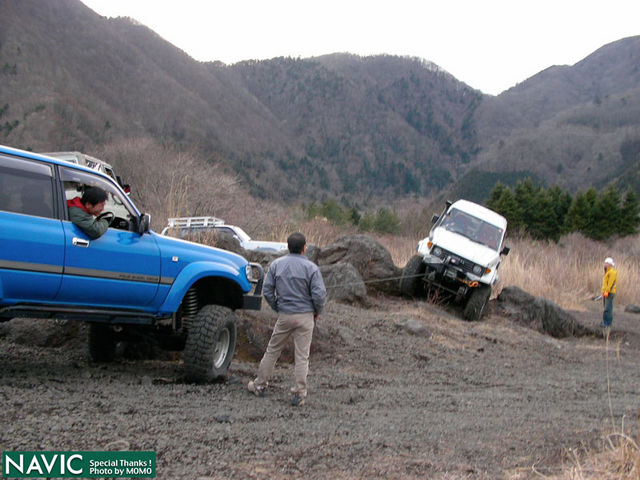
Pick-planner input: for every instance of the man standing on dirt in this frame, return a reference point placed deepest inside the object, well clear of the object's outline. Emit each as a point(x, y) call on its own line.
point(294, 288)
point(609, 288)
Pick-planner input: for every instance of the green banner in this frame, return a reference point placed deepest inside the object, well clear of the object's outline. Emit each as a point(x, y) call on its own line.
point(78, 464)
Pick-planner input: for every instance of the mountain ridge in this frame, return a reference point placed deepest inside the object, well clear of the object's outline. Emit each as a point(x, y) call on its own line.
point(340, 125)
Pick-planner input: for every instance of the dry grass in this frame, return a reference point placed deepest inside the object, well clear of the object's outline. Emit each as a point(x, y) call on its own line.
point(570, 272)
point(618, 459)
point(400, 248)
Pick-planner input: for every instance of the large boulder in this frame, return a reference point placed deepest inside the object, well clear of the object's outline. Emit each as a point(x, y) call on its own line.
point(539, 314)
point(262, 257)
point(371, 260)
point(632, 309)
point(255, 328)
point(312, 253)
point(344, 283)
point(226, 241)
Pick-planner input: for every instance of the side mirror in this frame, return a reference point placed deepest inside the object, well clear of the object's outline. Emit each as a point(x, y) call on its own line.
point(505, 251)
point(434, 219)
point(448, 203)
point(144, 223)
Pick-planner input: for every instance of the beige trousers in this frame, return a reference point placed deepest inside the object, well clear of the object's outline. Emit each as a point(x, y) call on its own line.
point(300, 325)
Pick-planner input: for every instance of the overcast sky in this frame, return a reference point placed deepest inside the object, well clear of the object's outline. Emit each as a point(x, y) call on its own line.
point(489, 44)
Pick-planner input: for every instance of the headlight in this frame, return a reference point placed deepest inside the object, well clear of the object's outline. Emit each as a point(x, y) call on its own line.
point(477, 269)
point(437, 251)
point(248, 272)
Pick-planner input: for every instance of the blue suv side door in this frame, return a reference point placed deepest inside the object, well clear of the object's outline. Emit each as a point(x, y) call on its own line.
point(31, 237)
point(119, 269)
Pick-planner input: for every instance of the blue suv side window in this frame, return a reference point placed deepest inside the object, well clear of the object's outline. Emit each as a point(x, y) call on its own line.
point(75, 183)
point(26, 187)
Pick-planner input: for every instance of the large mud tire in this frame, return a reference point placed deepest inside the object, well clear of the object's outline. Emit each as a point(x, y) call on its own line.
point(102, 343)
point(477, 302)
point(210, 345)
point(411, 280)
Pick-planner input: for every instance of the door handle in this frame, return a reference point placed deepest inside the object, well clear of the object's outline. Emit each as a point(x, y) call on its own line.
point(80, 242)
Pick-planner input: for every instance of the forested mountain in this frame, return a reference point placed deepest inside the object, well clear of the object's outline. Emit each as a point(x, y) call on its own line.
point(384, 124)
point(576, 126)
point(340, 125)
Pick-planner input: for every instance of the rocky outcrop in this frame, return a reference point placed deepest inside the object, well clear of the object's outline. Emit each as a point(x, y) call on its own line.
point(372, 261)
point(254, 331)
point(344, 283)
point(539, 314)
point(351, 266)
point(632, 309)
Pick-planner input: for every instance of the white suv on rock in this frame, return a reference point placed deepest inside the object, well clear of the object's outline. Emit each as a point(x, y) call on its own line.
point(460, 257)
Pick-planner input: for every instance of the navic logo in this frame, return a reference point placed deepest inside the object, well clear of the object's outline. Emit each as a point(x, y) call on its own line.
point(78, 464)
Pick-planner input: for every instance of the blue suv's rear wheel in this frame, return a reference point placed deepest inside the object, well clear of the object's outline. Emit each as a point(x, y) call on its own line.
point(210, 345)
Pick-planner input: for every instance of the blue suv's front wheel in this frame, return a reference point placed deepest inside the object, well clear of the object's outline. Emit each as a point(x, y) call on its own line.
point(211, 343)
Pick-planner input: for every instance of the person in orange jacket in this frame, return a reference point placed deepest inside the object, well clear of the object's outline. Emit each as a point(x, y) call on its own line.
point(609, 288)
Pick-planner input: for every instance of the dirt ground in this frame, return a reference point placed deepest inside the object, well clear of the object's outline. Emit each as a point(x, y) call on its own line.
point(399, 390)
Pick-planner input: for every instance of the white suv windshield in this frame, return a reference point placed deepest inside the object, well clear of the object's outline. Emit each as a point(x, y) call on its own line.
point(473, 228)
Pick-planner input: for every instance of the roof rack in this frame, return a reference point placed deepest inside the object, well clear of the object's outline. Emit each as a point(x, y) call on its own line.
point(195, 222)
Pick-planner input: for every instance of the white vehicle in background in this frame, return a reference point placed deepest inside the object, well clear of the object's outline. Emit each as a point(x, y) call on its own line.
point(460, 257)
point(88, 161)
point(194, 226)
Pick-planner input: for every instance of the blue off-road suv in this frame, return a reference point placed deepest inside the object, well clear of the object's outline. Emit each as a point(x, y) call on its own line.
point(128, 284)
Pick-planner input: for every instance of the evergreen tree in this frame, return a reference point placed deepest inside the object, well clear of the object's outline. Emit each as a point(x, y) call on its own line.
point(629, 214)
point(332, 210)
point(607, 215)
point(493, 202)
point(579, 215)
point(354, 215)
point(561, 201)
point(590, 228)
point(502, 200)
point(547, 215)
point(525, 195)
point(550, 213)
point(386, 221)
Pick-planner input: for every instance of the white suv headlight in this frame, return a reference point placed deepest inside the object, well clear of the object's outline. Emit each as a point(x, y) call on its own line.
point(477, 269)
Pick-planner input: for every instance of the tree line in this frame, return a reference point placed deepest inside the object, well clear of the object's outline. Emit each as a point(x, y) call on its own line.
point(382, 220)
point(548, 213)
